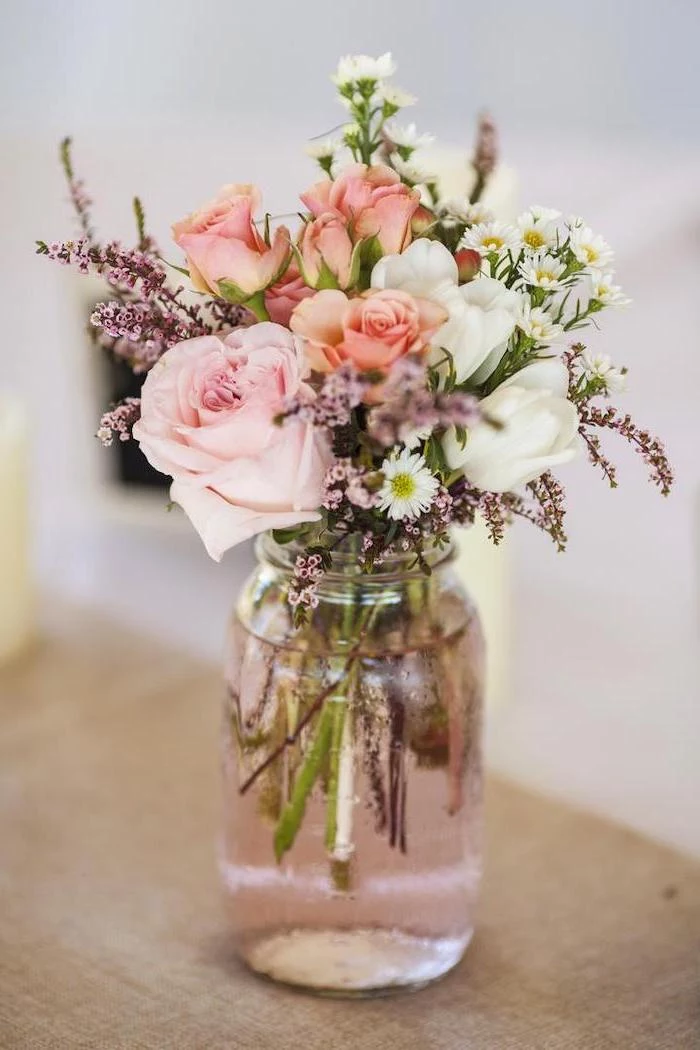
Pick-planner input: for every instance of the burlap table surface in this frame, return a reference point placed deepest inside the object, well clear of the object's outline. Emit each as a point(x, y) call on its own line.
point(111, 929)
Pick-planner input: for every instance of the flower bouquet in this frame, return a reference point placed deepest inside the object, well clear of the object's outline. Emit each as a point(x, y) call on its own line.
point(350, 391)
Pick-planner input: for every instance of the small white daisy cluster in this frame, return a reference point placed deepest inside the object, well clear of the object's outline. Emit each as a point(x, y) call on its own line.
point(365, 91)
point(597, 366)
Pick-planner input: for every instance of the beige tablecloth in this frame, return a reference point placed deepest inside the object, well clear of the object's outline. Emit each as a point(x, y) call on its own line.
point(111, 931)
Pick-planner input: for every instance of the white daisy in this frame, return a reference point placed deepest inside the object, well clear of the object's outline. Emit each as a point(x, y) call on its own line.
point(542, 270)
point(605, 291)
point(590, 248)
point(537, 323)
point(535, 232)
point(409, 171)
point(572, 221)
point(324, 150)
point(470, 214)
point(407, 136)
point(352, 68)
point(395, 96)
point(540, 214)
point(409, 488)
point(599, 366)
point(487, 237)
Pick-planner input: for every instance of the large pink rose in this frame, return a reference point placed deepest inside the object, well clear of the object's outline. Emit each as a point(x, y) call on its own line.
point(207, 411)
point(372, 199)
point(222, 243)
point(282, 297)
point(372, 331)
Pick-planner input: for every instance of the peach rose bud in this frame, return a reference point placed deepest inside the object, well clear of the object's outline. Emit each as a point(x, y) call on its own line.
point(468, 264)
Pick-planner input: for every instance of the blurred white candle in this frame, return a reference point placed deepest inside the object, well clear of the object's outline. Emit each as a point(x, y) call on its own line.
point(16, 605)
point(485, 571)
point(483, 568)
point(456, 178)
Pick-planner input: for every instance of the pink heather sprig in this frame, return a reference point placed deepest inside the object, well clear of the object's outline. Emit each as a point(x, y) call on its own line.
point(78, 195)
point(485, 155)
point(122, 267)
point(118, 422)
point(140, 332)
point(343, 480)
point(644, 444)
point(340, 392)
point(309, 569)
point(410, 407)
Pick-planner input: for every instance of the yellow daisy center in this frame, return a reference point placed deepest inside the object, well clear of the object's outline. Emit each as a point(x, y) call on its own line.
point(493, 243)
point(590, 253)
point(403, 486)
point(534, 239)
point(545, 275)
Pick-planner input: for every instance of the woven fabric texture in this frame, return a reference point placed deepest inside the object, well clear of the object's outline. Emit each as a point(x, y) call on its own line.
point(111, 926)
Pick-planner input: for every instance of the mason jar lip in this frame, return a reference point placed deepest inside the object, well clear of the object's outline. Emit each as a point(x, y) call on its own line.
point(283, 556)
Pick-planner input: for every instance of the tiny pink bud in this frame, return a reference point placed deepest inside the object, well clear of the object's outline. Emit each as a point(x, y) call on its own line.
point(468, 264)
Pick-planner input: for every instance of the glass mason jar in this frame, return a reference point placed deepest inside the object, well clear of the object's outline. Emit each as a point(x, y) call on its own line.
point(352, 845)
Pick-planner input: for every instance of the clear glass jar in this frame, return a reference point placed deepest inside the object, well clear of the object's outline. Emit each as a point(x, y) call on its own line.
point(352, 844)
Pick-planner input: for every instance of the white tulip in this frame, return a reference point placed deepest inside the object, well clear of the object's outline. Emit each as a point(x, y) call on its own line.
point(538, 430)
point(482, 313)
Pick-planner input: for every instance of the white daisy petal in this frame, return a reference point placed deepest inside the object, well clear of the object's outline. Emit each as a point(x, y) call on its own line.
point(409, 487)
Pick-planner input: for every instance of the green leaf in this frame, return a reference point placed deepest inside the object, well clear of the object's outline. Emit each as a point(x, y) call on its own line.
point(283, 536)
point(326, 277)
point(231, 292)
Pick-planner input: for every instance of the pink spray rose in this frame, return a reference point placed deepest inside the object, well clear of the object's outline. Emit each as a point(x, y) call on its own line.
point(207, 411)
point(372, 199)
point(326, 240)
point(222, 243)
point(372, 331)
point(282, 297)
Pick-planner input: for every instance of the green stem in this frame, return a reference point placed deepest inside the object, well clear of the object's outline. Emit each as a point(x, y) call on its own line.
point(256, 305)
point(339, 714)
point(293, 813)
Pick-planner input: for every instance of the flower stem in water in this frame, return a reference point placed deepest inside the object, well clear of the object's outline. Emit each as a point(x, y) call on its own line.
point(293, 812)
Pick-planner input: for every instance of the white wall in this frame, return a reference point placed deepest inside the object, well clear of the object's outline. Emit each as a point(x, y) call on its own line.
point(599, 110)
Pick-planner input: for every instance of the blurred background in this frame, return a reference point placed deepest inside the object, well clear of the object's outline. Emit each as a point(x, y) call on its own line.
point(595, 696)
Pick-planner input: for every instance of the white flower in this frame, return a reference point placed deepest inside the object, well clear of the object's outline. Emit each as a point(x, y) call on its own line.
point(541, 214)
point(481, 313)
point(471, 214)
point(395, 96)
point(537, 323)
point(324, 150)
point(426, 269)
point(536, 232)
point(487, 237)
point(536, 429)
point(352, 68)
point(600, 366)
point(407, 135)
point(605, 291)
point(409, 488)
point(542, 270)
point(574, 221)
point(409, 171)
point(590, 248)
